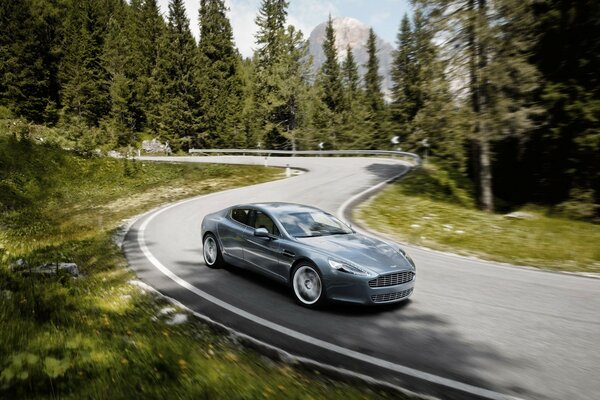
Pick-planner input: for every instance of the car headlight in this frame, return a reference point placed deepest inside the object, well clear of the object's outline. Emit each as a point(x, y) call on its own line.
point(408, 258)
point(350, 269)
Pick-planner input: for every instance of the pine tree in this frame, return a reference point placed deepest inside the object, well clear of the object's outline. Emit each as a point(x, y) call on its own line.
point(84, 82)
point(564, 159)
point(145, 27)
point(295, 93)
point(271, 22)
point(174, 82)
point(372, 77)
point(440, 126)
point(350, 77)
point(28, 39)
point(120, 57)
point(250, 124)
point(219, 78)
point(422, 109)
point(374, 96)
point(403, 107)
point(330, 76)
point(425, 62)
point(489, 42)
point(355, 113)
point(287, 102)
point(329, 82)
point(279, 77)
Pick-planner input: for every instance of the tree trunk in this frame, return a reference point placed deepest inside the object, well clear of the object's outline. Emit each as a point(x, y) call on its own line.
point(477, 63)
point(485, 159)
point(485, 175)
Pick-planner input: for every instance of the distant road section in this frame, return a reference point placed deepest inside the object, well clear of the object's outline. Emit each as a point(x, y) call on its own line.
point(472, 329)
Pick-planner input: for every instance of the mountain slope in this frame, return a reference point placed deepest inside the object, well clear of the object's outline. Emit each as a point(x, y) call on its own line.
point(349, 31)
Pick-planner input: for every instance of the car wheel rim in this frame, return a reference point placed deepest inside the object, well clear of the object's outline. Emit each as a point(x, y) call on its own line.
point(210, 250)
point(307, 285)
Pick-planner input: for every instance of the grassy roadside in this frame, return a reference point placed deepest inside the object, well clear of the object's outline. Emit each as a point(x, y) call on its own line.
point(430, 208)
point(98, 336)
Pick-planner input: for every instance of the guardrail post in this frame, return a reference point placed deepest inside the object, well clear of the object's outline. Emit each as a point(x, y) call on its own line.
point(288, 171)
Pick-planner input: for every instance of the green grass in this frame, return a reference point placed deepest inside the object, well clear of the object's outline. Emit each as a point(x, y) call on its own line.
point(433, 209)
point(97, 336)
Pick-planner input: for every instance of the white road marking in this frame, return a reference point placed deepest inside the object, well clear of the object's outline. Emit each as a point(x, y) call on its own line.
point(342, 210)
point(425, 376)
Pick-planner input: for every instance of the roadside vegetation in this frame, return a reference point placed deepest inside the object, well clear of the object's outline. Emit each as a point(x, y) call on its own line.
point(97, 335)
point(432, 208)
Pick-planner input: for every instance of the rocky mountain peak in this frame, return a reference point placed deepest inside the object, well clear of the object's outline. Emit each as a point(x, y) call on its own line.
point(352, 32)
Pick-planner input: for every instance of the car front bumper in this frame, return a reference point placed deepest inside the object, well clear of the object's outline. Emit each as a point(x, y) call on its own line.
point(348, 288)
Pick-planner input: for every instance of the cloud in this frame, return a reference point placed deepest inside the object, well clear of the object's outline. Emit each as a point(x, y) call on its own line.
point(379, 18)
point(242, 14)
point(306, 14)
point(192, 8)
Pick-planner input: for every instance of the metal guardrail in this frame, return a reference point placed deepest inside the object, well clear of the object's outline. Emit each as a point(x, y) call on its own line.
point(414, 156)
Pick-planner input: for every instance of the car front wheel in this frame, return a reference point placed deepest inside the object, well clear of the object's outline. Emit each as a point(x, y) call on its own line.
point(211, 252)
point(308, 286)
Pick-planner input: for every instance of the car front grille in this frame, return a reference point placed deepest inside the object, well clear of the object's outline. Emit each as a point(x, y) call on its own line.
point(382, 298)
point(397, 278)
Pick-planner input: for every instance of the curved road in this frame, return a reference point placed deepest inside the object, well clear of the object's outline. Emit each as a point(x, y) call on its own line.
point(472, 329)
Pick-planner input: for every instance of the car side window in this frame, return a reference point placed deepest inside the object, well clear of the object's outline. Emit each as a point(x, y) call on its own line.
point(261, 220)
point(241, 215)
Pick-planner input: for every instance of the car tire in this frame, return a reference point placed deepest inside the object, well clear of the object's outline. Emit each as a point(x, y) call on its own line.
point(307, 285)
point(211, 252)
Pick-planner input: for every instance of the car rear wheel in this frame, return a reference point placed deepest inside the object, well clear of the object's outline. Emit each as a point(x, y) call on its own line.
point(211, 252)
point(308, 285)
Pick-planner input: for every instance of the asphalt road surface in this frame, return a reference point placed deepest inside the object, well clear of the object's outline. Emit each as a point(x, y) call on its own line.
point(472, 329)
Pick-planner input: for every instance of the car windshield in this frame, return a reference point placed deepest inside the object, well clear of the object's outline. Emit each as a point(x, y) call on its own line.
point(313, 223)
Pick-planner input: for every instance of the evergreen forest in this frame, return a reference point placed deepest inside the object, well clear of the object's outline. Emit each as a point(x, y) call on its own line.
point(504, 94)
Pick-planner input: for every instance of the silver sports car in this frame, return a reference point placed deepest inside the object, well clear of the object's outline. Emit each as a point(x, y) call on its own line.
point(317, 255)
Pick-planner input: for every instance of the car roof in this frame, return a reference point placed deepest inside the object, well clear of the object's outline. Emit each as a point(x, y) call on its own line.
point(279, 208)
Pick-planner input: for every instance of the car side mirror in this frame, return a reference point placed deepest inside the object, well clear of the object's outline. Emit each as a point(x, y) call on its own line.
point(262, 232)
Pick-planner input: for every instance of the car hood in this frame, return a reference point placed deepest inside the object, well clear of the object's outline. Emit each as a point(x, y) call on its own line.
point(376, 255)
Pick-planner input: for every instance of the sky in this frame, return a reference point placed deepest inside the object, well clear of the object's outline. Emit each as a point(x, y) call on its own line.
point(383, 15)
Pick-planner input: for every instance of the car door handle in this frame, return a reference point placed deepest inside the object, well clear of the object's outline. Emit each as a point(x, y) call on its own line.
point(288, 253)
